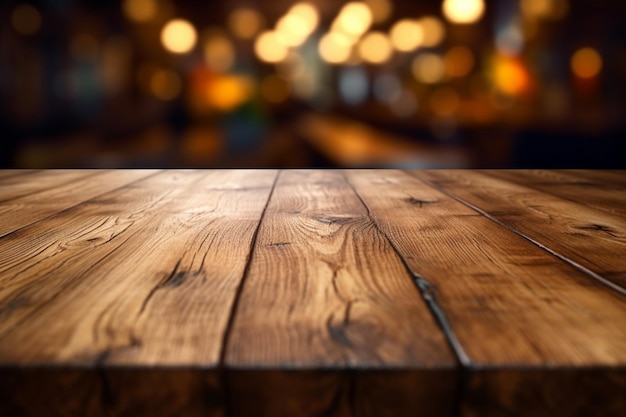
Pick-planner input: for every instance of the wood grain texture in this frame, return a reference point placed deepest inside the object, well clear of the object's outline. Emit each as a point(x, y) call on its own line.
point(144, 276)
point(589, 237)
point(605, 176)
point(311, 293)
point(19, 186)
point(148, 272)
point(508, 302)
point(326, 290)
point(603, 195)
point(30, 208)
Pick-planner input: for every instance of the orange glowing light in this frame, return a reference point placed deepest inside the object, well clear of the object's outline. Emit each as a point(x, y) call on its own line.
point(26, 19)
point(586, 63)
point(139, 10)
point(511, 77)
point(179, 36)
point(226, 93)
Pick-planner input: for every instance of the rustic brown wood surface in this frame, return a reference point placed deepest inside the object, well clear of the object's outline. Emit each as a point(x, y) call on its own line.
point(312, 293)
point(592, 239)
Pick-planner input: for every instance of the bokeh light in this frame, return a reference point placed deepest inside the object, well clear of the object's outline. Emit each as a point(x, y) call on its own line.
point(26, 19)
point(375, 48)
point(179, 36)
point(433, 31)
point(354, 19)
point(463, 11)
point(140, 10)
point(406, 35)
point(228, 92)
point(353, 85)
point(381, 9)
point(459, 61)
point(269, 48)
point(219, 52)
point(511, 77)
point(586, 63)
point(245, 23)
point(165, 84)
point(335, 48)
point(428, 68)
point(545, 9)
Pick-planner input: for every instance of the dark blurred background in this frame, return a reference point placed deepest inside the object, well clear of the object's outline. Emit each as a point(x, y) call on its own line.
point(252, 83)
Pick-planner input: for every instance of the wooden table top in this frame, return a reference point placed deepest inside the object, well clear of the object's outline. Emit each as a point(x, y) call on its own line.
point(312, 293)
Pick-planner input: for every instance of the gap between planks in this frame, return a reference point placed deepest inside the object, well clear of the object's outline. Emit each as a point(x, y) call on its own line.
point(552, 252)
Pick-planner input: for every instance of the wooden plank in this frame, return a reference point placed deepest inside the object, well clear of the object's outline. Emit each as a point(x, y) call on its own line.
point(325, 290)
point(19, 186)
point(607, 196)
point(545, 392)
point(591, 238)
point(22, 211)
point(142, 276)
point(605, 175)
point(508, 303)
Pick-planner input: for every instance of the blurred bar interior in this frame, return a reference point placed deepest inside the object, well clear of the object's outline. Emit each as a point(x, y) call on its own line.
point(281, 83)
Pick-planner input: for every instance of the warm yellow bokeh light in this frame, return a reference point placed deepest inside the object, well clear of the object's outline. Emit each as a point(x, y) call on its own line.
point(458, 61)
point(586, 63)
point(139, 10)
point(335, 48)
point(381, 9)
point(165, 84)
point(444, 101)
point(375, 48)
point(228, 92)
point(428, 68)
point(511, 77)
point(26, 19)
point(275, 89)
point(245, 23)
point(269, 48)
point(354, 18)
point(219, 53)
point(179, 36)
point(463, 11)
point(406, 35)
point(308, 13)
point(433, 31)
point(292, 30)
